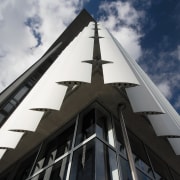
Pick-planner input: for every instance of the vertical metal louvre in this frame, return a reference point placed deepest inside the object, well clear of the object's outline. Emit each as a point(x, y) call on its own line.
point(118, 71)
point(71, 69)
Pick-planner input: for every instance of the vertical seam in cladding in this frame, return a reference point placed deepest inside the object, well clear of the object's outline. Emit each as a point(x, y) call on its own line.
point(96, 50)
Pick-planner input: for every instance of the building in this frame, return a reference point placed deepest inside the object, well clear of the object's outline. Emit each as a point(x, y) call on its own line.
point(86, 110)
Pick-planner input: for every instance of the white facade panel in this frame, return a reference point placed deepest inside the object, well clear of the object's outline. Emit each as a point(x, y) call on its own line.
point(88, 32)
point(47, 95)
point(2, 152)
point(9, 139)
point(118, 71)
point(50, 97)
point(121, 70)
point(175, 143)
point(164, 125)
point(142, 100)
point(23, 120)
point(141, 97)
point(164, 103)
point(71, 68)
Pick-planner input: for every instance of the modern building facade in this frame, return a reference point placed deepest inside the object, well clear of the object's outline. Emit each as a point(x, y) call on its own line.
point(86, 110)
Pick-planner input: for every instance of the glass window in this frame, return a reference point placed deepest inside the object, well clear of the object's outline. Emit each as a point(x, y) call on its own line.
point(14, 103)
point(31, 82)
point(119, 138)
point(85, 126)
point(106, 162)
point(57, 171)
point(64, 141)
point(141, 165)
point(160, 168)
point(104, 127)
point(83, 163)
point(38, 166)
point(125, 169)
point(142, 176)
point(54, 148)
point(20, 94)
point(8, 107)
point(2, 117)
point(140, 156)
point(144, 170)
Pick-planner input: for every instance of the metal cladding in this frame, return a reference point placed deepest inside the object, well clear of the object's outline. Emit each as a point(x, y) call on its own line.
point(118, 71)
point(141, 97)
point(164, 126)
point(175, 143)
point(51, 98)
point(23, 120)
point(142, 100)
point(72, 68)
point(9, 139)
point(47, 94)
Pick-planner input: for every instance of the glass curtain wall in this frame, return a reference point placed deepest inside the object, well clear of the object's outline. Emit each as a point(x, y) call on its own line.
point(92, 148)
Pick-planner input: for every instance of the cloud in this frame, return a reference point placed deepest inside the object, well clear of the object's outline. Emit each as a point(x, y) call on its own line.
point(27, 29)
point(163, 66)
point(124, 22)
point(177, 103)
point(164, 87)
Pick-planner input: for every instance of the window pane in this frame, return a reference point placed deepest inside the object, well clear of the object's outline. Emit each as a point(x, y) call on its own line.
point(48, 171)
point(19, 95)
point(125, 169)
point(2, 117)
point(8, 108)
point(140, 156)
point(14, 103)
point(104, 127)
point(113, 170)
point(85, 126)
point(142, 176)
point(140, 164)
point(100, 161)
point(119, 137)
point(106, 163)
point(83, 163)
point(54, 148)
point(160, 167)
point(57, 171)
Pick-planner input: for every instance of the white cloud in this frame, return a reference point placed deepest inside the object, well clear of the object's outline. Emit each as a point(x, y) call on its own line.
point(164, 87)
point(18, 44)
point(123, 21)
point(177, 103)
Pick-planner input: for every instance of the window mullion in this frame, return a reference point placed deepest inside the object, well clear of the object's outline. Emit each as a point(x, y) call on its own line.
point(116, 147)
point(72, 147)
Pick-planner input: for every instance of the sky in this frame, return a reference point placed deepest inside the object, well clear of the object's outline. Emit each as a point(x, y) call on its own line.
point(147, 29)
